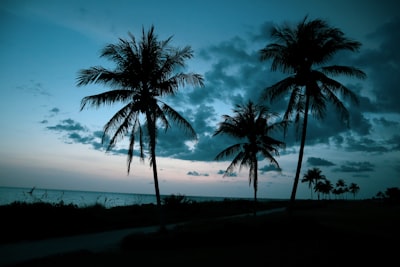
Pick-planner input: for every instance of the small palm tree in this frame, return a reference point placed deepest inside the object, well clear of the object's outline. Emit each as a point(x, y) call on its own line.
point(354, 188)
point(145, 72)
point(341, 187)
point(250, 124)
point(312, 177)
point(302, 52)
point(324, 187)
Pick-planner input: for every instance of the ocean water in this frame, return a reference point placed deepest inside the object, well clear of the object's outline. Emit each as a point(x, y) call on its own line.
point(9, 195)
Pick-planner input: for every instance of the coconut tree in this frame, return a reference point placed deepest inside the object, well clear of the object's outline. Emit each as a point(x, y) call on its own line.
point(145, 71)
point(302, 52)
point(324, 187)
point(251, 126)
point(354, 188)
point(312, 177)
point(341, 187)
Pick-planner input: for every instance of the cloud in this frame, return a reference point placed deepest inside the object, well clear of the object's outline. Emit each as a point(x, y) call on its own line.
point(382, 64)
point(227, 174)
point(365, 145)
point(351, 166)
point(68, 125)
point(236, 74)
point(269, 168)
point(319, 162)
point(35, 89)
point(55, 110)
point(195, 173)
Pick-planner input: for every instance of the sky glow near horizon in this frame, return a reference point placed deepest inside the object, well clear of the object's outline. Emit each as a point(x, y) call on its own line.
point(47, 142)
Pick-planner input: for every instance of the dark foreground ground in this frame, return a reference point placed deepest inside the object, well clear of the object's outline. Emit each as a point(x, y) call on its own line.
point(331, 233)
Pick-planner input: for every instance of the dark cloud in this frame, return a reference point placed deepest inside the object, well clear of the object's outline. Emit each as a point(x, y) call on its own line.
point(319, 162)
point(383, 64)
point(364, 144)
point(236, 75)
point(227, 174)
point(351, 166)
point(386, 123)
point(77, 138)
point(68, 125)
point(195, 173)
point(394, 142)
point(54, 110)
point(269, 168)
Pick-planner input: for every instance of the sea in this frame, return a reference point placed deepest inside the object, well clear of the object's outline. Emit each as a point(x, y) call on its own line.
point(9, 195)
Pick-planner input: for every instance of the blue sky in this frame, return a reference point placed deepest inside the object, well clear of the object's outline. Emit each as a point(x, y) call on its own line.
point(47, 142)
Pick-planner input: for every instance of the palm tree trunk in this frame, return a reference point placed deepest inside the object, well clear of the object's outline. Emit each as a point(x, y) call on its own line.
point(255, 185)
point(301, 152)
point(152, 133)
point(157, 189)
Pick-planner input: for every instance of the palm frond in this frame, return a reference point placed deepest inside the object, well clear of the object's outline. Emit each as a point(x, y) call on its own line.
point(344, 70)
point(229, 151)
point(278, 89)
point(121, 122)
point(237, 160)
point(106, 98)
point(180, 120)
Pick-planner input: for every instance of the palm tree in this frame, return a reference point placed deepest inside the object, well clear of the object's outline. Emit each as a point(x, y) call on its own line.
point(301, 52)
point(145, 72)
point(354, 188)
point(324, 186)
point(250, 124)
point(341, 187)
point(312, 176)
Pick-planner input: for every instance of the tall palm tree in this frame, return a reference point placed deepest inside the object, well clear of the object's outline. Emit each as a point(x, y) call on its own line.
point(301, 52)
point(250, 124)
point(313, 176)
point(146, 70)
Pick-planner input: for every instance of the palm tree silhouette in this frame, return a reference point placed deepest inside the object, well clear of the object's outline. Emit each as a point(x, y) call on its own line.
point(324, 187)
point(250, 122)
point(312, 177)
point(301, 52)
point(145, 72)
point(354, 189)
point(341, 187)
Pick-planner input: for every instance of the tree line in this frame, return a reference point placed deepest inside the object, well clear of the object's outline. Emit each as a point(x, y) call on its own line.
point(148, 69)
point(318, 183)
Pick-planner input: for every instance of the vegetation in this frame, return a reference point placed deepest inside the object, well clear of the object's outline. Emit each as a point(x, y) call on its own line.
point(40, 220)
point(251, 125)
point(333, 233)
point(318, 183)
point(145, 72)
point(301, 52)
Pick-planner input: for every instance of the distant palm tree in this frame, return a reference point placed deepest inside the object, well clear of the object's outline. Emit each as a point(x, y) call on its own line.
point(145, 72)
point(341, 187)
point(301, 52)
point(250, 124)
point(354, 188)
point(324, 186)
point(312, 177)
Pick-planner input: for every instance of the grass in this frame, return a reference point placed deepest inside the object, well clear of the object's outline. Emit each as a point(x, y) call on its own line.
point(33, 221)
point(332, 233)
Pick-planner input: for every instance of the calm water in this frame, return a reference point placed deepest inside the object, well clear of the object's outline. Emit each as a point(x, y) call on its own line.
point(9, 195)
